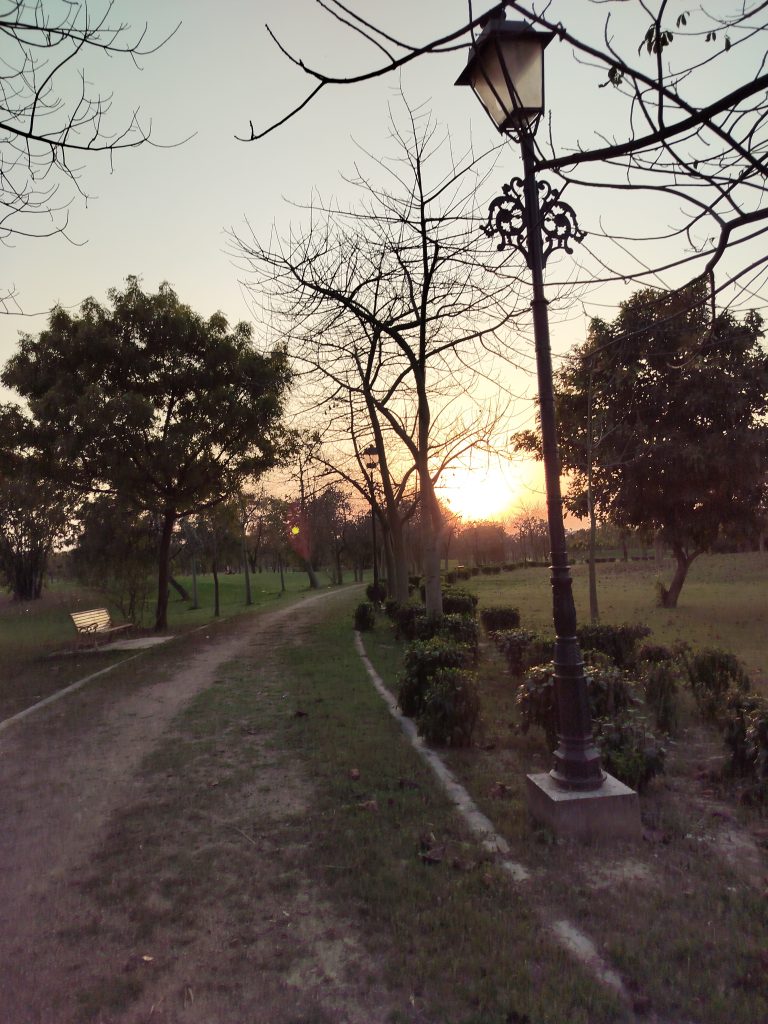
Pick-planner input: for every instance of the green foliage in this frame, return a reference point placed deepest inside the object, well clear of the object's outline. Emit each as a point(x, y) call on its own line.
point(661, 682)
point(391, 606)
point(674, 406)
point(405, 617)
point(536, 702)
point(714, 675)
point(628, 749)
point(169, 409)
point(458, 602)
point(513, 643)
point(607, 688)
point(618, 642)
point(422, 660)
point(116, 553)
point(365, 617)
point(494, 619)
point(463, 629)
point(450, 708)
point(37, 503)
point(746, 736)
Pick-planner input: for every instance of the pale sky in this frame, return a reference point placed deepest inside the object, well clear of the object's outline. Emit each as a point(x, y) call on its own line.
point(163, 213)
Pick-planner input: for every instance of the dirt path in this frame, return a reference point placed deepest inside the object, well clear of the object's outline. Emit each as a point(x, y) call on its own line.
point(66, 774)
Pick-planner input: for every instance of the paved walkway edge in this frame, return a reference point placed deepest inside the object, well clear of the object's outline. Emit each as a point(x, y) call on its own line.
point(61, 693)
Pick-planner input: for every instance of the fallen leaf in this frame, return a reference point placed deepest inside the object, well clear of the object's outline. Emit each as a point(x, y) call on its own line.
point(408, 784)
point(432, 855)
point(354, 774)
point(370, 805)
point(300, 714)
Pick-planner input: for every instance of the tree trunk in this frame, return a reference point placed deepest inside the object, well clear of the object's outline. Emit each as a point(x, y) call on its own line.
point(432, 536)
point(669, 597)
point(282, 575)
point(195, 603)
point(164, 570)
point(313, 584)
point(180, 589)
point(248, 595)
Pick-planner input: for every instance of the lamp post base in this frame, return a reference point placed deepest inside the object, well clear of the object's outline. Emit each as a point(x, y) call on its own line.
point(611, 812)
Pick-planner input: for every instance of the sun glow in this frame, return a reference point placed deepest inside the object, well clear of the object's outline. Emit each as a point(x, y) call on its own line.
point(485, 492)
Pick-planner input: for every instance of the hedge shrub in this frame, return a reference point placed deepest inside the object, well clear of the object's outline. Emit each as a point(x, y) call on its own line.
point(494, 619)
point(746, 736)
point(618, 642)
point(376, 592)
point(422, 660)
point(714, 676)
point(365, 617)
point(450, 708)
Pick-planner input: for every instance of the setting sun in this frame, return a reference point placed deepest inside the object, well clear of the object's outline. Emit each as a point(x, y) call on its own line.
point(484, 492)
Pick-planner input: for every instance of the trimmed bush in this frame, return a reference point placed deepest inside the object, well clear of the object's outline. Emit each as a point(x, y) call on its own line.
point(661, 681)
point(422, 660)
point(607, 688)
point(629, 750)
point(540, 650)
point(459, 602)
point(494, 619)
point(391, 607)
point(746, 736)
point(513, 644)
point(376, 592)
point(405, 619)
point(714, 676)
point(365, 617)
point(618, 642)
point(536, 702)
point(463, 629)
point(450, 708)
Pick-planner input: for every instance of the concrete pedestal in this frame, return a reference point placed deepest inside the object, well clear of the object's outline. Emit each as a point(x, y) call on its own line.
point(611, 812)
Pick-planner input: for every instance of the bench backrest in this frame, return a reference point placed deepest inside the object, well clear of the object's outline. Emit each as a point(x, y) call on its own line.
point(91, 621)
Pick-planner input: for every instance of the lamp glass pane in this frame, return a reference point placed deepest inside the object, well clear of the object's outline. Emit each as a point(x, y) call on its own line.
point(524, 60)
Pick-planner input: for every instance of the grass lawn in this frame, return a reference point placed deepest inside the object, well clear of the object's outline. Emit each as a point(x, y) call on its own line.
point(684, 924)
point(682, 915)
point(41, 652)
point(724, 602)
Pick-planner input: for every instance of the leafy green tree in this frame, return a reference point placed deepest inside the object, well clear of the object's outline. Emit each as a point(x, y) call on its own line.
point(116, 552)
point(37, 502)
point(680, 395)
point(165, 408)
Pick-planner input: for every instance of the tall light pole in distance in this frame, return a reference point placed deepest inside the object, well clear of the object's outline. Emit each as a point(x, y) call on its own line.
point(371, 454)
point(506, 72)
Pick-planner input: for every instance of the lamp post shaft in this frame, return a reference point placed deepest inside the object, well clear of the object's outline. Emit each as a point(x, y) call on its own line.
point(373, 532)
point(577, 760)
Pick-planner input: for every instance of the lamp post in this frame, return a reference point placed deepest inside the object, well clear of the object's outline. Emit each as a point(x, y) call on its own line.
point(506, 72)
point(372, 455)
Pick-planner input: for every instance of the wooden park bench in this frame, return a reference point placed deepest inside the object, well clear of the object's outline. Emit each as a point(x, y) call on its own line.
point(96, 624)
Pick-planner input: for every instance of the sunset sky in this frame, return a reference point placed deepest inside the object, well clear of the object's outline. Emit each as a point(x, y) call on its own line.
point(163, 211)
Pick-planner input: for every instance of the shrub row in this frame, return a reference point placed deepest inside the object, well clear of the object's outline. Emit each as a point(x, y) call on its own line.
point(628, 748)
point(438, 691)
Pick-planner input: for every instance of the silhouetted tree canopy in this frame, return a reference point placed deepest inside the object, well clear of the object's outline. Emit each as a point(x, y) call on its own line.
point(169, 410)
point(678, 402)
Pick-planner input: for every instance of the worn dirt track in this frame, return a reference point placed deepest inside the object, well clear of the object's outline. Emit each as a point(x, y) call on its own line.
point(66, 772)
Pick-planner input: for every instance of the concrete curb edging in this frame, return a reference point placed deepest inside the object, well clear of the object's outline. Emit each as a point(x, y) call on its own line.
point(567, 935)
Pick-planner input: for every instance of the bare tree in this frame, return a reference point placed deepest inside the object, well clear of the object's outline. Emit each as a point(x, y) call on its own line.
point(684, 94)
point(389, 311)
point(51, 115)
point(387, 308)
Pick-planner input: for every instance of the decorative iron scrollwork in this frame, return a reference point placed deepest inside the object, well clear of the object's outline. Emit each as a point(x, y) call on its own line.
point(506, 218)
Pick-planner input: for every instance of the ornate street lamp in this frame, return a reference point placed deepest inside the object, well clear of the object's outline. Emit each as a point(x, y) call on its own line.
point(506, 71)
point(372, 456)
